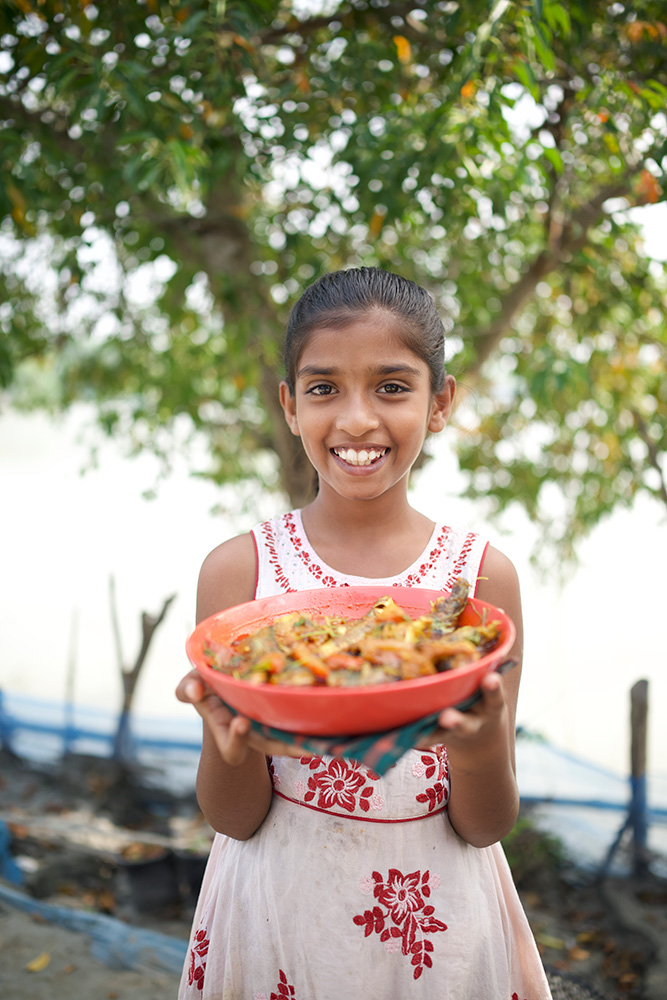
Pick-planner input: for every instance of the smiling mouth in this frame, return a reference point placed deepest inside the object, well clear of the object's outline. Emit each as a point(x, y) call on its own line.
point(365, 456)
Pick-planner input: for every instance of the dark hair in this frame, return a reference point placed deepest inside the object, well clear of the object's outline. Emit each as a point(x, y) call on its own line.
point(336, 299)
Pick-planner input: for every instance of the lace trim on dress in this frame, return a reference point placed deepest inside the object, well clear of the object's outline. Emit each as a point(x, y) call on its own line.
point(286, 558)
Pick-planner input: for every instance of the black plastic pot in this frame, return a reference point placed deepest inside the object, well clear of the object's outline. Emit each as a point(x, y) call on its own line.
point(152, 883)
point(190, 867)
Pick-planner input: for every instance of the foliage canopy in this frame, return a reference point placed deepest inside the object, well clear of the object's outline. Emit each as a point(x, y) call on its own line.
point(173, 173)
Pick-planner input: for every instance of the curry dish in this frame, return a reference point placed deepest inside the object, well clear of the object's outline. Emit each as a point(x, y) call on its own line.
point(384, 645)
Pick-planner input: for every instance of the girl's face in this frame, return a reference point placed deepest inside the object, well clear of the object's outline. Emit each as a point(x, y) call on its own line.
point(363, 405)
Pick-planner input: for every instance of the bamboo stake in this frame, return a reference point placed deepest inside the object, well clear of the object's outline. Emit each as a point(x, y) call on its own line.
point(638, 810)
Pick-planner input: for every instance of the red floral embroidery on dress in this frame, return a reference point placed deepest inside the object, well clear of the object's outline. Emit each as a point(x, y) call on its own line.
point(433, 762)
point(274, 559)
point(515, 996)
point(461, 561)
point(284, 990)
point(288, 523)
point(402, 918)
point(414, 579)
point(312, 762)
point(198, 953)
point(339, 783)
point(314, 568)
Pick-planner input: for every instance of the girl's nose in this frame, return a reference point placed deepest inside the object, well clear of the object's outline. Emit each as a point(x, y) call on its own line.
point(357, 416)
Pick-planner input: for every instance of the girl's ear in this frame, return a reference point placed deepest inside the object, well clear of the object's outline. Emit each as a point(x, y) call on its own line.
point(288, 403)
point(441, 407)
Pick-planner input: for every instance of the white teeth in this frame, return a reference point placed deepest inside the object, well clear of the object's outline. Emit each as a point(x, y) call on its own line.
point(362, 457)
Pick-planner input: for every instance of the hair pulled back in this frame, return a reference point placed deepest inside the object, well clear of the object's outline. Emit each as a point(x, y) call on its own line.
point(338, 298)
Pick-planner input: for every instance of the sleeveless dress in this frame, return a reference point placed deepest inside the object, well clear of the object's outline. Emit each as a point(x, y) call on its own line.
point(355, 885)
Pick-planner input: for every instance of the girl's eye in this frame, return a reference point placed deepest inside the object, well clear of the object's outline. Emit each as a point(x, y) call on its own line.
point(322, 389)
point(393, 388)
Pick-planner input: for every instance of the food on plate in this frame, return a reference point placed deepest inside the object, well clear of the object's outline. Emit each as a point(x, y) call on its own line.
point(384, 645)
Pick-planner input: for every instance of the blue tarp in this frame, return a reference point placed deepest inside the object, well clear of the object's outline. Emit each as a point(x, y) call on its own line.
point(116, 944)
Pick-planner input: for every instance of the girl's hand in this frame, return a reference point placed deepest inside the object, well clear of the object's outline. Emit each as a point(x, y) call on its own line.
point(233, 734)
point(477, 730)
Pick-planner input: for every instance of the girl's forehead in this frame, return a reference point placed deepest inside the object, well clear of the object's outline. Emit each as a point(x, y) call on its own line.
point(375, 334)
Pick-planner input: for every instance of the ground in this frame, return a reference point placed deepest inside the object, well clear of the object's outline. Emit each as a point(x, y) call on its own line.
point(82, 833)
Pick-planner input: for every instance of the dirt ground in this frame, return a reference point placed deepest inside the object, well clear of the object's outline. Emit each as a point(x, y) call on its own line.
point(71, 973)
point(77, 832)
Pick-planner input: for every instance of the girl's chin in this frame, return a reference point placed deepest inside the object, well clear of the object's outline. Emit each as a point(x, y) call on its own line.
point(361, 487)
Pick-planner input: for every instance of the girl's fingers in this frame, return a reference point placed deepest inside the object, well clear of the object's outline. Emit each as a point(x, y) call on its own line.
point(190, 688)
point(492, 703)
point(492, 688)
point(233, 734)
point(230, 732)
point(235, 745)
point(275, 748)
point(450, 719)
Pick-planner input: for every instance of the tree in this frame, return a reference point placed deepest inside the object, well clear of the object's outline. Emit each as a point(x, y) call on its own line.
point(122, 750)
point(185, 168)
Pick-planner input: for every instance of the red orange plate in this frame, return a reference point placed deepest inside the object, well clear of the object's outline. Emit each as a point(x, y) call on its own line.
point(344, 711)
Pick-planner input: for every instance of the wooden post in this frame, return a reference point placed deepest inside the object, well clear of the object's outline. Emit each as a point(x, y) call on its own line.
point(638, 818)
point(69, 730)
point(6, 727)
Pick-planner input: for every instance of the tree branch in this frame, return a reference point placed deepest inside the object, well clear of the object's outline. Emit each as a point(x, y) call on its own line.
point(149, 624)
point(487, 340)
point(573, 237)
point(130, 676)
point(575, 230)
point(653, 454)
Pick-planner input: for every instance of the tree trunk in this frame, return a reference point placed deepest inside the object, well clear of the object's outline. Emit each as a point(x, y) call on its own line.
point(297, 476)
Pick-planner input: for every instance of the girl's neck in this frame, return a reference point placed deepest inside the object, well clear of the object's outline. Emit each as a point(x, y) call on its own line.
point(376, 538)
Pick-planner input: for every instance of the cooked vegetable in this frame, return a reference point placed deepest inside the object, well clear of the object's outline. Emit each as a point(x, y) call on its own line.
point(384, 645)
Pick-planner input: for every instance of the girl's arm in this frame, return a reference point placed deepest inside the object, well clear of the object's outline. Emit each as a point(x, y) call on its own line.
point(233, 782)
point(484, 801)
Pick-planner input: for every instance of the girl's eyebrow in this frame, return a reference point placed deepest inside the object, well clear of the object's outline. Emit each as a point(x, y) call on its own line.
point(377, 370)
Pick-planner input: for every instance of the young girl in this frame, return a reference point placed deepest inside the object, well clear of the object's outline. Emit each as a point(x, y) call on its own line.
point(326, 881)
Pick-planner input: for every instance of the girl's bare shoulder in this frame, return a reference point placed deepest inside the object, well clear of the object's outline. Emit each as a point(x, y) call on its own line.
point(497, 573)
point(227, 576)
point(499, 585)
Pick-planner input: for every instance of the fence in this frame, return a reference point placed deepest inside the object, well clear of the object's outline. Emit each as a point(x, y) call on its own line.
point(557, 783)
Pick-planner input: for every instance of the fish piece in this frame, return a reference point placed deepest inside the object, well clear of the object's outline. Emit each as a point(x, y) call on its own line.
point(410, 661)
point(347, 635)
point(444, 653)
point(445, 611)
point(297, 627)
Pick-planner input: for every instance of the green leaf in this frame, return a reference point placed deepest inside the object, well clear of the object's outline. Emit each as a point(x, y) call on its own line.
point(141, 135)
point(524, 74)
point(558, 18)
point(543, 49)
point(189, 27)
point(554, 157)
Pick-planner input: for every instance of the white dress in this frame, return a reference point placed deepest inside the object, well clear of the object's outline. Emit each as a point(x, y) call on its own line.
point(355, 885)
